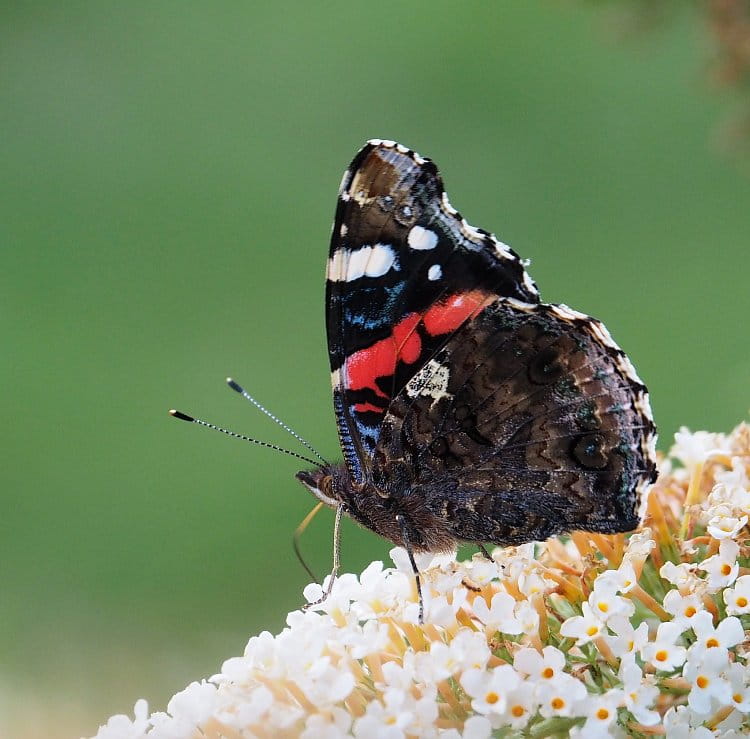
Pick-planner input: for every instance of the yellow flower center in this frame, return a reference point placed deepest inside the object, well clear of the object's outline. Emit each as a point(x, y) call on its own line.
point(690, 611)
point(592, 630)
point(519, 711)
point(737, 697)
point(661, 655)
point(602, 714)
point(491, 698)
point(557, 703)
point(741, 601)
point(701, 681)
point(603, 607)
point(391, 720)
point(548, 672)
point(712, 642)
point(726, 569)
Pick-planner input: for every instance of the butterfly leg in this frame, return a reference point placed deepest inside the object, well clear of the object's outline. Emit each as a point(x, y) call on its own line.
point(405, 536)
point(336, 559)
point(484, 551)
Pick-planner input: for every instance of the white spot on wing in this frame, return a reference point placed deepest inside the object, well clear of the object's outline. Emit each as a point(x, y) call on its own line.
point(337, 265)
point(504, 250)
point(435, 272)
point(529, 283)
point(431, 381)
point(343, 230)
point(422, 238)
point(342, 186)
point(381, 259)
point(369, 261)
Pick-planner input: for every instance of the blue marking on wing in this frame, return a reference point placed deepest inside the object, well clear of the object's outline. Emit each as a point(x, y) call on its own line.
point(385, 298)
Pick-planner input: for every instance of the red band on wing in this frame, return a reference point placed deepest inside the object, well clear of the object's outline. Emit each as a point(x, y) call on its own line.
point(448, 314)
point(380, 359)
point(405, 345)
point(367, 408)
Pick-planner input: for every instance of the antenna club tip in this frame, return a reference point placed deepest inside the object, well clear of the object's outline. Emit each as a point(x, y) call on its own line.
point(182, 416)
point(237, 388)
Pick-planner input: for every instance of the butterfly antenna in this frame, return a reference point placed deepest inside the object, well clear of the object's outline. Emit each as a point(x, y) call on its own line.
point(184, 417)
point(246, 395)
point(298, 533)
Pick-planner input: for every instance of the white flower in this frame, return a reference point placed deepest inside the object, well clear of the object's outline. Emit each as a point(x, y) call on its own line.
point(252, 709)
point(560, 697)
point(583, 628)
point(477, 727)
point(737, 477)
point(530, 583)
point(470, 648)
point(703, 674)
point(682, 575)
point(600, 712)
point(382, 722)
point(639, 547)
point(466, 650)
point(521, 707)
point(722, 568)
point(737, 598)
point(195, 703)
point(425, 560)
point(344, 590)
point(499, 616)
point(681, 723)
point(121, 727)
point(483, 570)
point(723, 525)
point(605, 603)
point(727, 634)
point(332, 724)
point(324, 684)
point(664, 653)
point(621, 580)
point(540, 667)
point(527, 616)
point(371, 638)
point(694, 448)
point(640, 693)
point(628, 641)
point(683, 607)
point(380, 591)
point(738, 677)
point(489, 690)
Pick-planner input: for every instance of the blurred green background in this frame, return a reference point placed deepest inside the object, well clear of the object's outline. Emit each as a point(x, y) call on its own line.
point(169, 176)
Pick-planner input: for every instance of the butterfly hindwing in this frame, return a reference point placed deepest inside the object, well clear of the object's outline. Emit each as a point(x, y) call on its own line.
point(404, 272)
point(528, 422)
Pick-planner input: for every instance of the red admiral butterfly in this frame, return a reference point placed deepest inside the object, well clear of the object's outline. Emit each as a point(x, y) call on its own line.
point(467, 410)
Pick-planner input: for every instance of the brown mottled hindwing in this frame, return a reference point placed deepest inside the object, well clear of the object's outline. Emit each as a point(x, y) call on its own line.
point(530, 422)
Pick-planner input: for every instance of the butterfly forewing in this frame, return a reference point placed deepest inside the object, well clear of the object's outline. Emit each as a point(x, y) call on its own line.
point(404, 272)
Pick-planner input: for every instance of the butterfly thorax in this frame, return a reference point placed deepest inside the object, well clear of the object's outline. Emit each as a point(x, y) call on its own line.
point(389, 515)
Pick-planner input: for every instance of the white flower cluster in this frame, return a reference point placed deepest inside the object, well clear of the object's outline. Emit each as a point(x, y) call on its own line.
point(595, 637)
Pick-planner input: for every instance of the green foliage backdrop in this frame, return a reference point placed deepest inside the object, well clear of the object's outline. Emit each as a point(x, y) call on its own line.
point(169, 179)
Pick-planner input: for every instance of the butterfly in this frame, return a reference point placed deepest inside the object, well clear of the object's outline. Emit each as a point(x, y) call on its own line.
point(467, 410)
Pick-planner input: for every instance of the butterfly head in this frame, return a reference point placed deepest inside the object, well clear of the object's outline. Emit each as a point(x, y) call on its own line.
point(325, 483)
